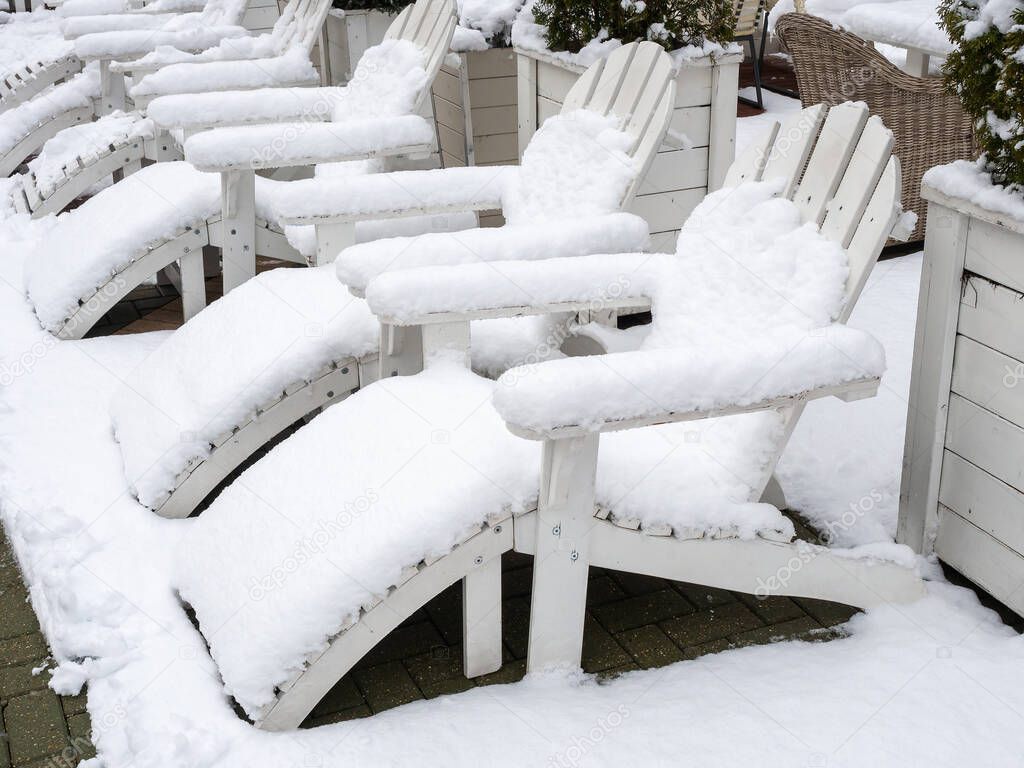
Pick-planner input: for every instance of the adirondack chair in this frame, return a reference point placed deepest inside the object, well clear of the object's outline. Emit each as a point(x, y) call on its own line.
point(173, 476)
point(851, 190)
point(96, 90)
point(86, 265)
point(36, 76)
point(632, 91)
point(115, 147)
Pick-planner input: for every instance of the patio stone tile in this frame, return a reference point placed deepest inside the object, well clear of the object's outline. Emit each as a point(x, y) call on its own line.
point(445, 611)
point(344, 695)
point(826, 613)
point(18, 617)
point(340, 717)
point(515, 625)
point(603, 589)
point(795, 629)
point(708, 626)
point(35, 723)
point(715, 646)
point(704, 597)
point(642, 609)
point(22, 650)
point(386, 686)
point(512, 560)
point(510, 672)
point(73, 705)
point(401, 643)
point(611, 674)
point(80, 728)
point(600, 649)
point(5, 755)
point(516, 582)
point(649, 646)
point(637, 584)
point(439, 671)
point(774, 609)
point(17, 680)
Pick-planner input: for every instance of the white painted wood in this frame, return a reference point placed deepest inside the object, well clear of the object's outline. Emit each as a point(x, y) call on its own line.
point(984, 500)
point(722, 150)
point(931, 373)
point(332, 238)
point(449, 340)
point(561, 552)
point(299, 400)
point(847, 205)
point(38, 136)
point(836, 141)
point(792, 147)
point(321, 674)
point(193, 282)
point(986, 440)
point(992, 315)
point(917, 62)
point(989, 378)
point(22, 85)
point(990, 564)
point(481, 617)
point(993, 250)
point(113, 94)
point(749, 166)
point(238, 224)
point(401, 350)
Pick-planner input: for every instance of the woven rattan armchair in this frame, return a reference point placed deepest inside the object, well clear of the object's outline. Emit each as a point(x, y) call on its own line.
point(833, 66)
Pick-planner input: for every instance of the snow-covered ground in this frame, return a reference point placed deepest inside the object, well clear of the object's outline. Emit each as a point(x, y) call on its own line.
point(938, 682)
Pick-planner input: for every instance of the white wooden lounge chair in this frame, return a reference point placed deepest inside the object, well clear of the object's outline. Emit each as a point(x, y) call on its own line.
point(173, 475)
point(96, 90)
point(84, 265)
point(397, 520)
point(115, 145)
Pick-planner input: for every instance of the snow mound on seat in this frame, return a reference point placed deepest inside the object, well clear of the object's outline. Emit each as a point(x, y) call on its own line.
point(236, 355)
point(91, 243)
point(88, 142)
point(331, 516)
point(19, 122)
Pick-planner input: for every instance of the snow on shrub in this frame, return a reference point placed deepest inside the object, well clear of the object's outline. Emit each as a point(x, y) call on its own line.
point(987, 72)
point(387, 6)
point(572, 24)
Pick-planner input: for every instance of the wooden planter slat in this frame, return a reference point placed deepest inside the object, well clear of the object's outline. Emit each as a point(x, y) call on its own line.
point(679, 178)
point(963, 478)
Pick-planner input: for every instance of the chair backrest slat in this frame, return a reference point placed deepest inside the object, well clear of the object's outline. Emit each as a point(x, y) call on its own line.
point(616, 71)
point(869, 160)
point(873, 229)
point(655, 70)
point(832, 152)
point(398, 25)
point(796, 137)
point(749, 166)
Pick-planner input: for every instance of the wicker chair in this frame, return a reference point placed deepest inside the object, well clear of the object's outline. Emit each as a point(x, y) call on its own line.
point(833, 66)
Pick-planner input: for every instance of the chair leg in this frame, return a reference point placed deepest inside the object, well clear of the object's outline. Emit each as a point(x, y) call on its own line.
point(238, 252)
point(758, 102)
point(481, 619)
point(565, 517)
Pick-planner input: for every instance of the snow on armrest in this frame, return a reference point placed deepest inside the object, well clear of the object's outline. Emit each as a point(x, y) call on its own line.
point(283, 145)
point(79, 26)
point(293, 68)
point(132, 43)
point(231, 49)
point(393, 195)
point(512, 288)
point(565, 237)
point(266, 105)
point(574, 396)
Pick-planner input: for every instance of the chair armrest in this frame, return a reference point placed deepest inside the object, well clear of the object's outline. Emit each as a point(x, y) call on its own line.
point(576, 396)
point(513, 288)
point(393, 195)
point(535, 241)
point(79, 26)
point(128, 44)
point(284, 145)
point(200, 111)
point(291, 69)
point(231, 49)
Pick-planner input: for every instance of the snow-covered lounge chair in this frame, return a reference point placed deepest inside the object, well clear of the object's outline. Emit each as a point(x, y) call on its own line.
point(346, 528)
point(116, 144)
point(96, 90)
point(95, 255)
point(39, 74)
point(205, 401)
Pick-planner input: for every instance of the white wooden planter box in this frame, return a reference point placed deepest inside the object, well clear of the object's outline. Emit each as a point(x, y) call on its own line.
point(475, 97)
point(679, 178)
point(963, 470)
point(349, 34)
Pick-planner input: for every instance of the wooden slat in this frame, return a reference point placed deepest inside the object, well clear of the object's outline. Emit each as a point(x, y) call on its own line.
point(858, 184)
point(994, 252)
point(673, 167)
point(494, 92)
point(990, 504)
point(993, 315)
point(492, 121)
point(989, 378)
point(832, 152)
point(694, 123)
point(694, 90)
point(792, 147)
point(750, 165)
point(986, 440)
point(494, 62)
point(666, 210)
point(555, 83)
